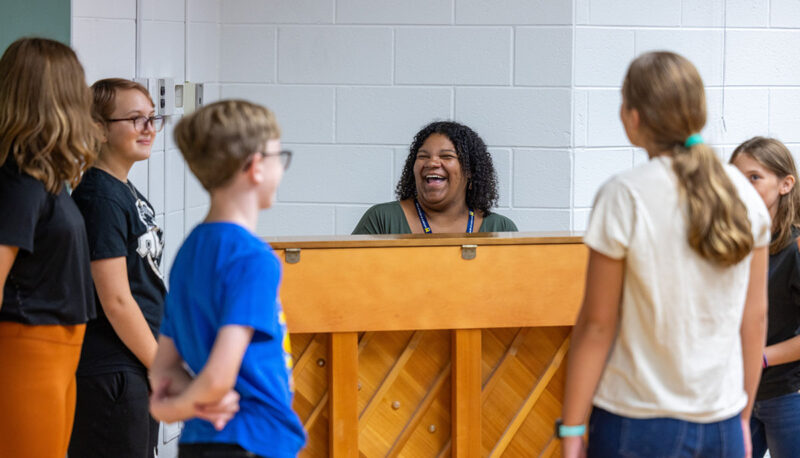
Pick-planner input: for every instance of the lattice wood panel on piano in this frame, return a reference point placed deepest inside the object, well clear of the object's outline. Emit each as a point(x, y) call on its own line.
point(404, 396)
point(310, 353)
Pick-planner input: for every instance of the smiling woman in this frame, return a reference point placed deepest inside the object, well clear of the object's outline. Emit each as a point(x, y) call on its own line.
point(448, 185)
point(125, 247)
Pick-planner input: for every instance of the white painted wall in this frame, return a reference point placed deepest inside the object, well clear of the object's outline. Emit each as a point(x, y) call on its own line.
point(756, 59)
point(351, 81)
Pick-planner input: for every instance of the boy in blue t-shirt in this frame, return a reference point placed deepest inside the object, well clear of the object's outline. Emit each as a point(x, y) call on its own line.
point(222, 316)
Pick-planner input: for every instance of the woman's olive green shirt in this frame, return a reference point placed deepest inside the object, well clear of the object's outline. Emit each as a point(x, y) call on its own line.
point(389, 218)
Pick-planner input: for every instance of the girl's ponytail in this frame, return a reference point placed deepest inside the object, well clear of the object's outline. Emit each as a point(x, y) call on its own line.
point(669, 96)
point(719, 229)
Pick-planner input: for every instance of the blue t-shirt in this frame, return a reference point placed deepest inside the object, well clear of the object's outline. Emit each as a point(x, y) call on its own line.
point(224, 275)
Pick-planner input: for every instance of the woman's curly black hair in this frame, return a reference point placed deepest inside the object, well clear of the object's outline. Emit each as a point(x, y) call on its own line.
point(475, 160)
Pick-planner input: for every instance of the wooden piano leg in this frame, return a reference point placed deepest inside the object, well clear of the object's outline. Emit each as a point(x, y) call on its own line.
point(466, 400)
point(343, 389)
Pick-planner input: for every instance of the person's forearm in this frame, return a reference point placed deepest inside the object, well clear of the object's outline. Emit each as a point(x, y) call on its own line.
point(130, 325)
point(211, 385)
point(168, 379)
point(753, 329)
point(593, 335)
point(206, 388)
point(180, 380)
point(174, 381)
point(218, 376)
point(587, 358)
point(177, 378)
point(783, 352)
point(753, 335)
point(203, 390)
point(8, 254)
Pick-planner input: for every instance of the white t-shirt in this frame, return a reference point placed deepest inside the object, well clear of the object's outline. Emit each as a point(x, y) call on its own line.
point(678, 351)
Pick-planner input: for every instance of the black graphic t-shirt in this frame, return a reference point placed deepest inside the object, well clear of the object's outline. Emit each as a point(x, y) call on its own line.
point(783, 319)
point(120, 222)
point(50, 281)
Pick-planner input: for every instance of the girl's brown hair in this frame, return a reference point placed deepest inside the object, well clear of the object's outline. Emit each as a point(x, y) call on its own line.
point(45, 117)
point(668, 94)
point(104, 96)
point(774, 155)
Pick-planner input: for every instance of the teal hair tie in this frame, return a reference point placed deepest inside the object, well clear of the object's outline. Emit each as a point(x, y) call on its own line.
point(694, 139)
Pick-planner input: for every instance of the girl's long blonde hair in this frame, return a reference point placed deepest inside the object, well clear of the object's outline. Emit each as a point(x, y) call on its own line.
point(668, 94)
point(45, 112)
point(774, 155)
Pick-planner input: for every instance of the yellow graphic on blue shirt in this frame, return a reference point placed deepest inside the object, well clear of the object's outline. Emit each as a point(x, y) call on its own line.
point(287, 347)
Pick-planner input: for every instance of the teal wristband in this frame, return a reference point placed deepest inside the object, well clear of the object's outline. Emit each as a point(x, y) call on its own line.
point(694, 139)
point(571, 431)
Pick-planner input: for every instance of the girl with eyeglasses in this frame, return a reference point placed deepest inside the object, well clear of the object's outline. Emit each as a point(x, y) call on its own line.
point(47, 139)
point(125, 246)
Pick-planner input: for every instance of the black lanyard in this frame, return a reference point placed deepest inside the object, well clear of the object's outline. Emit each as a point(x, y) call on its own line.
point(427, 228)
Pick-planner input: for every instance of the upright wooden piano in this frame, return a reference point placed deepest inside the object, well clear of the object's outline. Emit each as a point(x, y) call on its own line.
point(431, 346)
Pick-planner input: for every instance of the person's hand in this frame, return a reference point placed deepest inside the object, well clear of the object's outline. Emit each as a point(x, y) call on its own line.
point(164, 407)
point(572, 447)
point(161, 409)
point(221, 412)
point(159, 401)
point(748, 440)
point(160, 388)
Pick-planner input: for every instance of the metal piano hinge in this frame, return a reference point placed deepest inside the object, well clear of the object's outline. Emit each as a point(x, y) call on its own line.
point(468, 251)
point(292, 255)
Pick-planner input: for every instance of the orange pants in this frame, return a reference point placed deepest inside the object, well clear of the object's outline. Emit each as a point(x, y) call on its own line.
point(37, 388)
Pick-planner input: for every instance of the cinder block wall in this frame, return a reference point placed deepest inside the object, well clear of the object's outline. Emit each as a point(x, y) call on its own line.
point(351, 81)
point(749, 48)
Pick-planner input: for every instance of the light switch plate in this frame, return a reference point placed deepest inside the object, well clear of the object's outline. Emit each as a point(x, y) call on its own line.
point(166, 96)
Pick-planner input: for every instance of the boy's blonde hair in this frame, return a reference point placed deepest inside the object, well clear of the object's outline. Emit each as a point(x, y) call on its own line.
point(668, 93)
point(45, 121)
point(774, 155)
point(218, 139)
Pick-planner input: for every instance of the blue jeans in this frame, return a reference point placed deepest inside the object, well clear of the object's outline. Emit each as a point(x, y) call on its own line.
point(612, 435)
point(776, 425)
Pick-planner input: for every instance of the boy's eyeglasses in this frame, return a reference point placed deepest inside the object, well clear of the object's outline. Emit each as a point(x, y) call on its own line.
point(284, 156)
point(139, 122)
